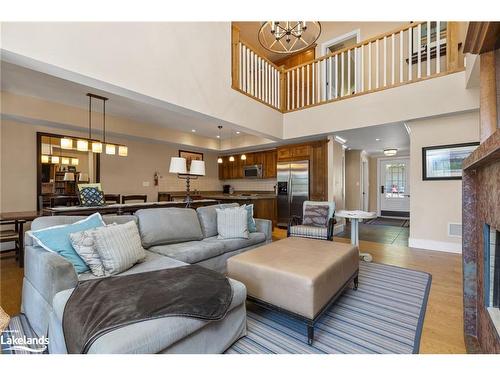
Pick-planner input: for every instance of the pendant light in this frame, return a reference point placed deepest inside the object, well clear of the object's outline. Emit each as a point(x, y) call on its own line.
point(231, 158)
point(66, 143)
point(219, 159)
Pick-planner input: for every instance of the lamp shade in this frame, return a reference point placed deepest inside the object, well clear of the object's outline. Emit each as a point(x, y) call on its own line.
point(45, 158)
point(122, 150)
point(74, 161)
point(66, 143)
point(197, 168)
point(82, 145)
point(177, 165)
point(97, 147)
point(83, 177)
point(54, 159)
point(69, 176)
point(110, 149)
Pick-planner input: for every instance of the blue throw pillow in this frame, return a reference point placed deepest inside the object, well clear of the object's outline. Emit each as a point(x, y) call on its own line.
point(56, 239)
point(252, 227)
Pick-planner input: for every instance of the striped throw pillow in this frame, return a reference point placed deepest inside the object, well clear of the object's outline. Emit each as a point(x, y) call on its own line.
point(316, 215)
point(119, 247)
point(232, 223)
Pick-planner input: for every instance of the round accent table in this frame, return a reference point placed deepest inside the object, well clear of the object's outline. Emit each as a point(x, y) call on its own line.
point(356, 217)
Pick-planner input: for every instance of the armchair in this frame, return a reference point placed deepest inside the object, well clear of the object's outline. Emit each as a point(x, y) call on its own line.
point(297, 229)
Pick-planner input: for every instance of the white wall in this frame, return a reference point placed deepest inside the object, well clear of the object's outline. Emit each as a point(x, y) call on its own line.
point(185, 64)
point(435, 204)
point(432, 97)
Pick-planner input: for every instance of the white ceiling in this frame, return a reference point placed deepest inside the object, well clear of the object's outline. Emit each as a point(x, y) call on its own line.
point(22, 81)
point(391, 136)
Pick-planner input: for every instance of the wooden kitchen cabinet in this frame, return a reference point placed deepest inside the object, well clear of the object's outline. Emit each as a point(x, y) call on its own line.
point(269, 166)
point(284, 153)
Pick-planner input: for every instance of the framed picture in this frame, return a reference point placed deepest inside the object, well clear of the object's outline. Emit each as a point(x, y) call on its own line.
point(445, 162)
point(189, 156)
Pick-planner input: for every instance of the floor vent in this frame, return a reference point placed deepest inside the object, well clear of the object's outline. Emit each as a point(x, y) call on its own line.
point(454, 230)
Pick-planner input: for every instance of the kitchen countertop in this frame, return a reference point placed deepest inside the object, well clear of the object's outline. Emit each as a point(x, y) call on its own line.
point(240, 196)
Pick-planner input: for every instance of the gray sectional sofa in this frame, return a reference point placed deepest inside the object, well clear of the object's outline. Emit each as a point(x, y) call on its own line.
point(172, 237)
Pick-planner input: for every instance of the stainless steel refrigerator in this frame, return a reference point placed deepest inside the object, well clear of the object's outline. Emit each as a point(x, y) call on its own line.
point(293, 189)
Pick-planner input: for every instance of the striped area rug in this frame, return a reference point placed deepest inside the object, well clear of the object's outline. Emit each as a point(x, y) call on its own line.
point(20, 329)
point(385, 315)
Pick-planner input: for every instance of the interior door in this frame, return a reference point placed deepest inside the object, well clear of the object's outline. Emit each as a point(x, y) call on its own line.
point(394, 187)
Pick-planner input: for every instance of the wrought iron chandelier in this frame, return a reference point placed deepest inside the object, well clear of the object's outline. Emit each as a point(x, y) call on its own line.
point(288, 36)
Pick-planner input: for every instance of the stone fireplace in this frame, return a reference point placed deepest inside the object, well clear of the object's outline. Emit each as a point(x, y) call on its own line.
point(481, 218)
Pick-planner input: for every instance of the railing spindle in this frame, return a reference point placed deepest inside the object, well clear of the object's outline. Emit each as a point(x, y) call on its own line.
point(377, 63)
point(308, 84)
point(419, 51)
point(362, 74)
point(392, 59)
point(385, 61)
point(293, 88)
point(319, 69)
point(342, 76)
point(401, 54)
point(349, 89)
point(429, 48)
point(329, 66)
point(410, 72)
point(302, 81)
point(438, 47)
point(369, 66)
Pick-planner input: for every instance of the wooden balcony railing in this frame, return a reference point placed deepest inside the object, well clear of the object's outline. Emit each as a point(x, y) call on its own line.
point(389, 60)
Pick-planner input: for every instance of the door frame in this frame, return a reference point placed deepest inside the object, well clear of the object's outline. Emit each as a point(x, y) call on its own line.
point(365, 185)
point(324, 49)
point(378, 180)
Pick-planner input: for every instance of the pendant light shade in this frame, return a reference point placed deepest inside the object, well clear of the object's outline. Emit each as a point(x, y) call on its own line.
point(231, 158)
point(54, 159)
point(45, 158)
point(74, 161)
point(219, 160)
point(64, 160)
point(122, 150)
point(97, 147)
point(66, 143)
point(110, 149)
point(82, 145)
point(243, 157)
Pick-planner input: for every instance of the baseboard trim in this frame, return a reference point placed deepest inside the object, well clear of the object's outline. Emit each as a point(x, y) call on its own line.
point(338, 229)
point(448, 247)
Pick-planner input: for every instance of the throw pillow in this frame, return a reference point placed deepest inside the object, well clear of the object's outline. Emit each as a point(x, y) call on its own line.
point(56, 239)
point(252, 227)
point(232, 223)
point(84, 244)
point(316, 215)
point(119, 247)
point(91, 197)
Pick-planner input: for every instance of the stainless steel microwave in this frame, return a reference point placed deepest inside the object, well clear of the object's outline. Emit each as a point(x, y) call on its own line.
point(252, 171)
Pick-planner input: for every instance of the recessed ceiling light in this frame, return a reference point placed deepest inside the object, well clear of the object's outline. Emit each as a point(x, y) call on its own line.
point(344, 147)
point(377, 139)
point(218, 136)
point(193, 130)
point(237, 132)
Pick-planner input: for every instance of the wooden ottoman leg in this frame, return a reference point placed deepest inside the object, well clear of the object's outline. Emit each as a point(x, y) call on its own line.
point(310, 333)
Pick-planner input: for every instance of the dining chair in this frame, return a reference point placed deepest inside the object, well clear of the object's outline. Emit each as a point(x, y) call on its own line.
point(112, 198)
point(127, 198)
point(16, 236)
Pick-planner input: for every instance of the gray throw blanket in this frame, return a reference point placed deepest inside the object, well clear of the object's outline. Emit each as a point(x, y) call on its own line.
point(101, 305)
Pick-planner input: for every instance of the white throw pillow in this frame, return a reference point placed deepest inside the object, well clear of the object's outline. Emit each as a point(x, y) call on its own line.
point(84, 244)
point(119, 247)
point(232, 223)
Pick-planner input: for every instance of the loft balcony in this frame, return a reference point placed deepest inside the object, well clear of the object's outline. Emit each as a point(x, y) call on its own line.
point(399, 57)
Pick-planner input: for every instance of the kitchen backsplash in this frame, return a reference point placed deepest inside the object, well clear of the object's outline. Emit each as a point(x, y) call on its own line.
point(252, 185)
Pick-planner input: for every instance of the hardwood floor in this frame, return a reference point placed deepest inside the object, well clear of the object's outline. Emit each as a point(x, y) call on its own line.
point(443, 325)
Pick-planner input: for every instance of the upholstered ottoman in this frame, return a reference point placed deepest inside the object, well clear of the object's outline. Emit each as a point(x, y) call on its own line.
point(297, 276)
